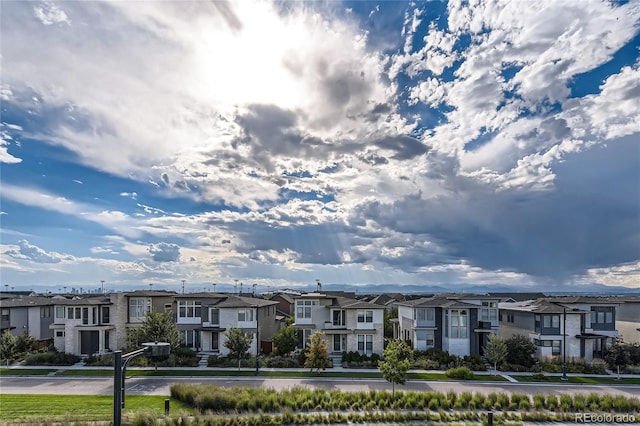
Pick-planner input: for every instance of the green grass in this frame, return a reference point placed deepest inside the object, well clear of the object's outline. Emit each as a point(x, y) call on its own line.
point(26, 371)
point(581, 380)
point(79, 407)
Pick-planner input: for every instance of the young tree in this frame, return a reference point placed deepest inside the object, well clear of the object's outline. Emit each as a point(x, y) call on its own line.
point(7, 345)
point(156, 327)
point(396, 363)
point(496, 350)
point(617, 355)
point(238, 343)
point(285, 340)
point(317, 352)
point(520, 350)
point(24, 343)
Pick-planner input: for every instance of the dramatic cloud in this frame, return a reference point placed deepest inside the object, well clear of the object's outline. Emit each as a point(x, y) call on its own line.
point(460, 142)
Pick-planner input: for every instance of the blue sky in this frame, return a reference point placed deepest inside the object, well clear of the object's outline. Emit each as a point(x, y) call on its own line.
point(356, 143)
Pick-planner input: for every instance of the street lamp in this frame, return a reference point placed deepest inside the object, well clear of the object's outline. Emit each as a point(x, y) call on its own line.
point(564, 343)
point(120, 362)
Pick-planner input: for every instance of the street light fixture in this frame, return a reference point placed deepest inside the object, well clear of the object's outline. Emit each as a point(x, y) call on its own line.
point(257, 341)
point(120, 362)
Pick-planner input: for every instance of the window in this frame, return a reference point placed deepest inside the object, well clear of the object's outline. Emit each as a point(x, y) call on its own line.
point(245, 315)
point(85, 316)
point(214, 316)
point(431, 314)
point(602, 315)
point(105, 315)
point(191, 339)
point(555, 347)
point(365, 316)
point(551, 321)
point(59, 333)
point(365, 344)
point(459, 328)
point(537, 322)
point(59, 312)
point(45, 312)
point(137, 308)
point(430, 339)
point(338, 318)
point(337, 343)
point(69, 313)
point(78, 315)
point(106, 340)
point(421, 314)
point(189, 309)
point(489, 312)
point(5, 315)
point(303, 308)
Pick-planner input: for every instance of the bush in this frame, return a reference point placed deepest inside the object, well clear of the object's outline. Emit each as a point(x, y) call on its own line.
point(52, 358)
point(474, 362)
point(280, 362)
point(459, 373)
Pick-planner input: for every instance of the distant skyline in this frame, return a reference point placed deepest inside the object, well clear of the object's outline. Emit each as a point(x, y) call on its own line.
point(359, 143)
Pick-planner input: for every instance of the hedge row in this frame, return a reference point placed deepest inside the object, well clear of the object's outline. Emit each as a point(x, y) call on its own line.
point(212, 398)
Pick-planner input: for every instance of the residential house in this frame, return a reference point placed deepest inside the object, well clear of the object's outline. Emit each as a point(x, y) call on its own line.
point(628, 318)
point(27, 314)
point(457, 323)
point(204, 318)
point(84, 325)
point(580, 327)
point(350, 325)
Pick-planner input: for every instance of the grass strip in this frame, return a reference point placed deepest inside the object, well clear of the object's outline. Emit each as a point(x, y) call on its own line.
point(26, 371)
point(17, 407)
point(580, 380)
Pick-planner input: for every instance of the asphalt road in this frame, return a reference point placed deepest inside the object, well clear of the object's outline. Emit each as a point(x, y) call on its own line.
point(161, 385)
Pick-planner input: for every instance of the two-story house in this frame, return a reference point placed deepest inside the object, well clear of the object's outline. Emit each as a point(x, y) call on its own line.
point(350, 325)
point(585, 326)
point(457, 323)
point(628, 318)
point(204, 319)
point(27, 314)
point(83, 325)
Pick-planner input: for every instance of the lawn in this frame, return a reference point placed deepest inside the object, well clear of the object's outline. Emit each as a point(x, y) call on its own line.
point(79, 407)
point(581, 380)
point(26, 371)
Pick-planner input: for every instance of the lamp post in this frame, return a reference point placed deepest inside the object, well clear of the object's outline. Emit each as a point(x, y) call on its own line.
point(120, 363)
point(564, 343)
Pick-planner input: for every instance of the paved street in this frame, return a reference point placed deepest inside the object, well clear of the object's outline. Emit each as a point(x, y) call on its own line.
point(161, 385)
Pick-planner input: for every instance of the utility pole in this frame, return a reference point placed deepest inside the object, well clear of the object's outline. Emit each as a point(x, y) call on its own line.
point(214, 287)
point(183, 281)
point(102, 286)
point(564, 343)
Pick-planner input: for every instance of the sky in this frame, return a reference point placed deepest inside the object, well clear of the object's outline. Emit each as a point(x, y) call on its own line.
point(357, 143)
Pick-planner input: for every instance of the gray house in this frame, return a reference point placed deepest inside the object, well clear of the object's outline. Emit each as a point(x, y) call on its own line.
point(27, 314)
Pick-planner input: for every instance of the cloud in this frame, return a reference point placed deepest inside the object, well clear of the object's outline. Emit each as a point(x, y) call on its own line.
point(49, 14)
point(164, 252)
point(34, 253)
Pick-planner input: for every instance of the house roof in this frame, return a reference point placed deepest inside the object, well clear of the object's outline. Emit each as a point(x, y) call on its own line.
point(244, 302)
point(539, 306)
point(344, 302)
point(448, 300)
point(17, 302)
point(517, 296)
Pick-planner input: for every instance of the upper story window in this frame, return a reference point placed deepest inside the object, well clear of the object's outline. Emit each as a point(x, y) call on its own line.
point(105, 315)
point(5, 314)
point(214, 316)
point(365, 316)
point(45, 312)
point(138, 308)
point(459, 324)
point(59, 312)
point(245, 315)
point(489, 311)
point(338, 317)
point(425, 314)
point(551, 321)
point(303, 308)
point(189, 309)
point(602, 317)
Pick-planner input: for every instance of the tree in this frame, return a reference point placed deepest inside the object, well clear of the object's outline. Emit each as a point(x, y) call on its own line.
point(156, 327)
point(496, 350)
point(396, 363)
point(7, 345)
point(520, 350)
point(238, 343)
point(617, 355)
point(388, 315)
point(317, 352)
point(24, 343)
point(285, 340)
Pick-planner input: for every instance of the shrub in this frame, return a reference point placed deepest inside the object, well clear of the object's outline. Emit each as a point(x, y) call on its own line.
point(459, 373)
point(52, 358)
